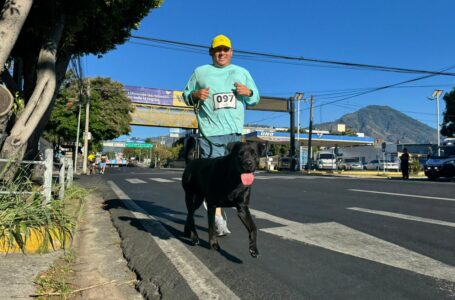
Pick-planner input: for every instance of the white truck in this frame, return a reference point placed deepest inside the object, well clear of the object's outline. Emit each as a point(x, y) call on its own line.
point(326, 160)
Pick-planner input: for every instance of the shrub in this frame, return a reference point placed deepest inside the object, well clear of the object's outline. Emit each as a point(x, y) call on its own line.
point(414, 166)
point(22, 213)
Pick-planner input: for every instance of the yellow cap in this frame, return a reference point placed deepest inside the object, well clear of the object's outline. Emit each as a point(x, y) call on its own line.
point(221, 40)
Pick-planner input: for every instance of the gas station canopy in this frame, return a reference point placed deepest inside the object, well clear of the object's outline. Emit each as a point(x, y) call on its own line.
point(324, 140)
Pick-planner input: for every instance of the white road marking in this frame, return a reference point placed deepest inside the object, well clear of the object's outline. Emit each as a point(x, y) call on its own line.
point(401, 216)
point(276, 177)
point(402, 195)
point(342, 239)
point(199, 278)
point(289, 177)
point(177, 178)
point(161, 179)
point(135, 180)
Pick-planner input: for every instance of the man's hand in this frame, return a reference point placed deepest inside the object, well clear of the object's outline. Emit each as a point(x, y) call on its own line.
point(242, 90)
point(201, 94)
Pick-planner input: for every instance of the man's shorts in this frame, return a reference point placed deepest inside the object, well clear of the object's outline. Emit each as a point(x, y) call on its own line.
point(209, 150)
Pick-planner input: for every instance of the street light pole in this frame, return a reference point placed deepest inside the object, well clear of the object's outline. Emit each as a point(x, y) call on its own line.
point(298, 96)
point(436, 95)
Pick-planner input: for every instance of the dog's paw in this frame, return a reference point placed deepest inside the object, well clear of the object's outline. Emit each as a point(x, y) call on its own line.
point(195, 240)
point(215, 246)
point(254, 252)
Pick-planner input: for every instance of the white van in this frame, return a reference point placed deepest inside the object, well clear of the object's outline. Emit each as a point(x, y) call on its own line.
point(326, 161)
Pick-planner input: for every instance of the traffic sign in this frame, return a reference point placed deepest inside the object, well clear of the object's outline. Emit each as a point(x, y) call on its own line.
point(138, 145)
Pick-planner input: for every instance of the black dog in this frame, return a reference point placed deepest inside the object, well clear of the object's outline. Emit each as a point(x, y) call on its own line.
point(223, 182)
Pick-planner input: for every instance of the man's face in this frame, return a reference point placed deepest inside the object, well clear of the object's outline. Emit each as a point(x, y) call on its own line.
point(221, 56)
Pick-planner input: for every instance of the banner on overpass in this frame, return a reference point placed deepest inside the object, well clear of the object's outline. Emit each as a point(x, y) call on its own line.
point(152, 96)
point(162, 116)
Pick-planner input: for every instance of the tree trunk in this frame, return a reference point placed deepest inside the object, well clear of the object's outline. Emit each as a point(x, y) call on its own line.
point(6, 104)
point(16, 144)
point(13, 15)
point(60, 70)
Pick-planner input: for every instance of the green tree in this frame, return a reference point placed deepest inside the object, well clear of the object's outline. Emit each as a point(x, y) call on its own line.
point(40, 37)
point(109, 111)
point(448, 123)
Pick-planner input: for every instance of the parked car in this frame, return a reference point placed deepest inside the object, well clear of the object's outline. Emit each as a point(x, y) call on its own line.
point(354, 163)
point(284, 163)
point(440, 166)
point(382, 165)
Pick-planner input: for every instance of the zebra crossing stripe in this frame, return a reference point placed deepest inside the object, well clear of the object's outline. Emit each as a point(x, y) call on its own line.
point(402, 216)
point(343, 239)
point(161, 180)
point(135, 180)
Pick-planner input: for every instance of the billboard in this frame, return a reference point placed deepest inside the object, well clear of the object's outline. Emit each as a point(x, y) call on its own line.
point(163, 116)
point(149, 95)
point(178, 99)
point(152, 96)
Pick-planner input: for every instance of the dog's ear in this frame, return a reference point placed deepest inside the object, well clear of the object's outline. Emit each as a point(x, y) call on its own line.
point(231, 146)
point(259, 147)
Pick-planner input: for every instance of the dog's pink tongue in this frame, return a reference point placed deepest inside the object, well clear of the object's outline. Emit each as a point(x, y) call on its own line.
point(247, 178)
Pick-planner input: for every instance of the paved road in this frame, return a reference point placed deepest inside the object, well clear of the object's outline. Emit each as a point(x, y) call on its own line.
point(320, 237)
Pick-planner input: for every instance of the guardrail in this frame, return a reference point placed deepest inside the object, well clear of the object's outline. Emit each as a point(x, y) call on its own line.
point(66, 168)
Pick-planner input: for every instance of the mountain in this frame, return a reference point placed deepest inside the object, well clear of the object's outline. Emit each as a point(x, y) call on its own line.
point(386, 124)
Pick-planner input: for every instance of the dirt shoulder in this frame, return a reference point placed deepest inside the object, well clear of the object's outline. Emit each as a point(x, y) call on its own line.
point(99, 258)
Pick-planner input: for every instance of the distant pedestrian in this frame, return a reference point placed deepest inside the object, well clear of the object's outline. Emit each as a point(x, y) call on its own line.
point(103, 164)
point(404, 164)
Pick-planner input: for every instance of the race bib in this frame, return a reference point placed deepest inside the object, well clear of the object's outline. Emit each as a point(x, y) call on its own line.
point(224, 100)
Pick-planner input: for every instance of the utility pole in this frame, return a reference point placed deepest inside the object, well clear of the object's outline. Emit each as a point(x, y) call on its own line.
point(298, 119)
point(87, 117)
point(77, 134)
point(292, 148)
point(310, 134)
point(78, 70)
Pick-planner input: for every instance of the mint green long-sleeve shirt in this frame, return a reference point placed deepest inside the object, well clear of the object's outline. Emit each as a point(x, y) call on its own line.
point(223, 112)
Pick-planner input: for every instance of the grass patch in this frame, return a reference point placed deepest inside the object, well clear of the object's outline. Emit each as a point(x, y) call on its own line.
point(54, 283)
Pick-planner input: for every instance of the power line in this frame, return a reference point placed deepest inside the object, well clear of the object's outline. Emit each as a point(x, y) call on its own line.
point(368, 92)
point(301, 58)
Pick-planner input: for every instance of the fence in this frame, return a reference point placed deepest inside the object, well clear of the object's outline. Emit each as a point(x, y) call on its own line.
point(66, 168)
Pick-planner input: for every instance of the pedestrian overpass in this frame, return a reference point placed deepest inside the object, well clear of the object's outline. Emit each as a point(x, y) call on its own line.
point(166, 108)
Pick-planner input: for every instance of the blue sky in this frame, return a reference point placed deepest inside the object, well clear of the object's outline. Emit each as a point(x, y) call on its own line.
point(415, 34)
